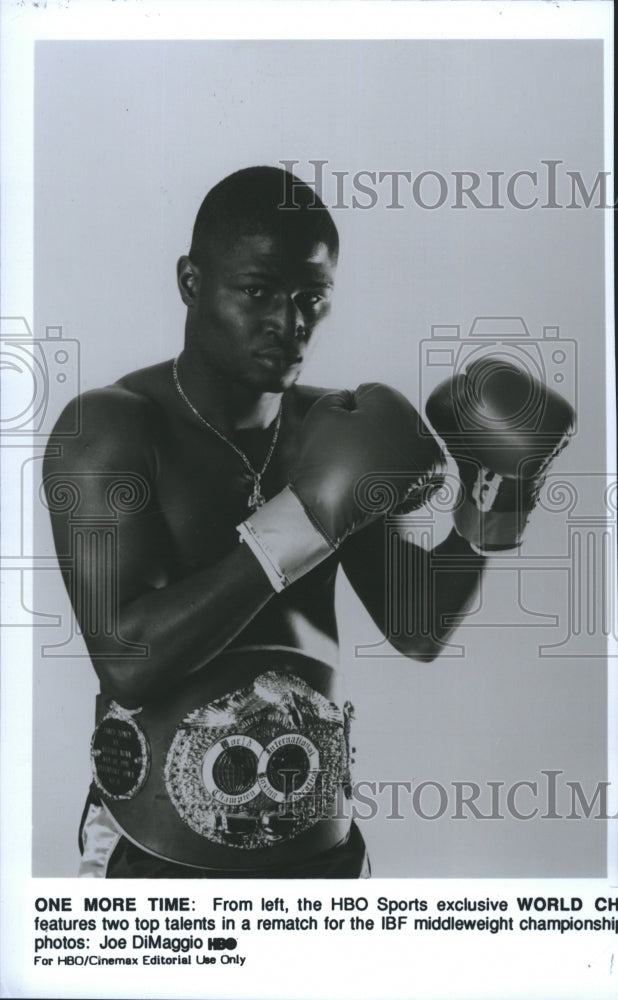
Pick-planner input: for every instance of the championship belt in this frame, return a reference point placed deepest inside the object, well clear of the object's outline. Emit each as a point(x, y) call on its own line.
point(244, 766)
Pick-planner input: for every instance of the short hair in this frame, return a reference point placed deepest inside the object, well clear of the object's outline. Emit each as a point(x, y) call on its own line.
point(259, 200)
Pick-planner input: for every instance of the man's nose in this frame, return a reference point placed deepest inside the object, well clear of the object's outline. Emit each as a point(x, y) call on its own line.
point(285, 318)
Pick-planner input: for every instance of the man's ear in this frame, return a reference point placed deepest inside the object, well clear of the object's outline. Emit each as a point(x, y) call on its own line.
point(188, 277)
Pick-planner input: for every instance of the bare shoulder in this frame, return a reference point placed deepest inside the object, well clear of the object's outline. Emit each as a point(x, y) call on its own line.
point(115, 422)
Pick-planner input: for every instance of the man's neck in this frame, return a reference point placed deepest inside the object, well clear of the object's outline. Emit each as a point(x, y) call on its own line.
point(228, 405)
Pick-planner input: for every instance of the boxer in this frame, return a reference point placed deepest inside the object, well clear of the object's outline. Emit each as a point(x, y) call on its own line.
point(221, 740)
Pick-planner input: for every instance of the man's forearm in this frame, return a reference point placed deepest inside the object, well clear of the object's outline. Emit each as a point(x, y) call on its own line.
point(416, 597)
point(451, 578)
point(182, 625)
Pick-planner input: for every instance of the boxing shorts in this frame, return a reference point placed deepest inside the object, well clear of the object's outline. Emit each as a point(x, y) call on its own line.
point(106, 853)
point(241, 771)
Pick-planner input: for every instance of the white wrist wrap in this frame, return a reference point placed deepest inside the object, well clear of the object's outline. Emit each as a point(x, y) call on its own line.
point(475, 548)
point(489, 531)
point(284, 539)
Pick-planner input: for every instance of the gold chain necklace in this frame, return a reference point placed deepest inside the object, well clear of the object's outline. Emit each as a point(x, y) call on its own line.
point(257, 498)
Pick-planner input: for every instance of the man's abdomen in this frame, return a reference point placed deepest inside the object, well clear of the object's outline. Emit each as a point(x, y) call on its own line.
point(244, 766)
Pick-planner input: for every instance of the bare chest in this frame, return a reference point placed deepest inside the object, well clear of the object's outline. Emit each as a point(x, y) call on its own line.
point(204, 487)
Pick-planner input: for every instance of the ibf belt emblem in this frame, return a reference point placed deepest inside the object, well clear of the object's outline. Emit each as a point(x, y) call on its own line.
point(237, 768)
point(260, 765)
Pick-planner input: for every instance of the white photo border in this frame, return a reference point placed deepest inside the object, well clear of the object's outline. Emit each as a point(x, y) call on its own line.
point(25, 24)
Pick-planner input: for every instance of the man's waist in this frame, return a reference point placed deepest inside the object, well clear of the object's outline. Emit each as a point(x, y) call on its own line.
point(244, 765)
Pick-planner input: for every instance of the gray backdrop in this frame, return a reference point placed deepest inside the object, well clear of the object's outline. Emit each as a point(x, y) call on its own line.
point(128, 138)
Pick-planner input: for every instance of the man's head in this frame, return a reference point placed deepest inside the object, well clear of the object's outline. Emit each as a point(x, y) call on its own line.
point(257, 201)
point(259, 276)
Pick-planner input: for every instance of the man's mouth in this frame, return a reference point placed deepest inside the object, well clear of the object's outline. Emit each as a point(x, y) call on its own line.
point(275, 358)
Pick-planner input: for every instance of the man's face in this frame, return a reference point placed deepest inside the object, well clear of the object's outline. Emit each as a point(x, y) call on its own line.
point(258, 303)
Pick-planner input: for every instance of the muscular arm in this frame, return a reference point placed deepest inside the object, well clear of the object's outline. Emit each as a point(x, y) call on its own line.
point(117, 559)
point(417, 598)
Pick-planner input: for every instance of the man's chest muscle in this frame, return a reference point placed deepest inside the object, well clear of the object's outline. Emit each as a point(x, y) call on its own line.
point(203, 494)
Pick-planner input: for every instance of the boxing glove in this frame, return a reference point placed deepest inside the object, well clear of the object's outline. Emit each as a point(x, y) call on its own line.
point(504, 428)
point(372, 437)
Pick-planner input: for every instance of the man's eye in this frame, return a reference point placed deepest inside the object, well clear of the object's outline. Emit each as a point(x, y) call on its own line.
point(255, 291)
point(309, 299)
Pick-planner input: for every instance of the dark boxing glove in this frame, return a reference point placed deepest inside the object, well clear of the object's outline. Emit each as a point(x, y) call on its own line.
point(503, 427)
point(372, 436)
